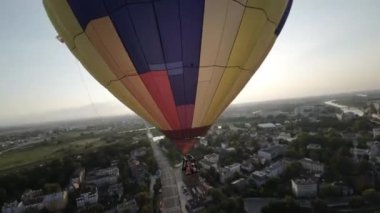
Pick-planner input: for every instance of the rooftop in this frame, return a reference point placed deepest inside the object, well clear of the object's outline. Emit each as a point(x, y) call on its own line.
point(308, 160)
point(212, 158)
point(274, 165)
point(313, 146)
point(232, 166)
point(266, 125)
point(303, 181)
point(272, 149)
point(238, 181)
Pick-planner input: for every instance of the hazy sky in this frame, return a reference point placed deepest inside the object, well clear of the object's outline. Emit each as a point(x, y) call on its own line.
point(325, 47)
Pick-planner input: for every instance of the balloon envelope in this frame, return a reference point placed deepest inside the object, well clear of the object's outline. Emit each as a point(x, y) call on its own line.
point(176, 63)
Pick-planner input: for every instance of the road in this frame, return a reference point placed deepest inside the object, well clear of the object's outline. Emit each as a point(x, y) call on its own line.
point(183, 198)
point(170, 198)
point(151, 186)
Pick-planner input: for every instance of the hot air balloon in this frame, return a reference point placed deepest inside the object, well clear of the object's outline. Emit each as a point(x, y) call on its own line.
point(176, 63)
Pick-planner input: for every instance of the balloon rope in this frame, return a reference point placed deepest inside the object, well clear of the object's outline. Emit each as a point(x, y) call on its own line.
point(87, 90)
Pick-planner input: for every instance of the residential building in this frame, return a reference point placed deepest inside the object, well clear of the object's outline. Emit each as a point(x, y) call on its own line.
point(36, 200)
point(114, 163)
point(349, 136)
point(235, 167)
point(77, 177)
point(289, 161)
point(283, 136)
point(105, 171)
point(32, 200)
point(203, 141)
point(139, 152)
point(259, 177)
point(240, 183)
point(304, 187)
point(304, 111)
point(262, 176)
point(138, 170)
point(89, 196)
point(357, 152)
point(102, 177)
point(224, 145)
point(275, 169)
point(313, 146)
point(227, 172)
point(376, 117)
point(246, 167)
point(271, 152)
point(311, 165)
point(116, 190)
point(267, 126)
point(376, 132)
point(230, 149)
point(374, 150)
point(346, 116)
point(102, 181)
point(12, 207)
point(130, 206)
point(210, 160)
point(56, 201)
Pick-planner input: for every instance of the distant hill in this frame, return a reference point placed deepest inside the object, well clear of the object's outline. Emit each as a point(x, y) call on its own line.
point(97, 111)
point(100, 111)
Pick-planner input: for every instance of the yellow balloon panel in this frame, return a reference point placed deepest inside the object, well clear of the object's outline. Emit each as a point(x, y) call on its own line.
point(214, 19)
point(215, 51)
point(209, 82)
point(252, 43)
point(125, 97)
point(250, 30)
point(63, 20)
point(89, 57)
point(136, 86)
point(230, 30)
point(220, 27)
point(238, 85)
point(104, 37)
point(261, 49)
point(230, 75)
point(272, 8)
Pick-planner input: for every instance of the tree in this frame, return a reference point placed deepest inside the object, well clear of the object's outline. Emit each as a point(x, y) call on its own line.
point(363, 167)
point(144, 202)
point(287, 205)
point(222, 203)
point(234, 204)
point(371, 195)
point(328, 190)
point(51, 188)
point(356, 202)
point(315, 155)
point(217, 195)
point(3, 195)
point(319, 206)
point(271, 187)
point(211, 176)
point(361, 124)
point(292, 171)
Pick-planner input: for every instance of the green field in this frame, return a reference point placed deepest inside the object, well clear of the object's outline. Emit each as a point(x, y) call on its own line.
point(40, 153)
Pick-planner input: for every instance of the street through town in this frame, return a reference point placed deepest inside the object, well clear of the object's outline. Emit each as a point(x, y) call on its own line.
point(170, 198)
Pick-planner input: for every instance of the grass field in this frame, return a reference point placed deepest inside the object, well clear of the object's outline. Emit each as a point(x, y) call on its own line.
point(40, 153)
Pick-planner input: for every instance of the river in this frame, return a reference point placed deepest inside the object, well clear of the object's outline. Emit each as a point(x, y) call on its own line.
point(346, 109)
